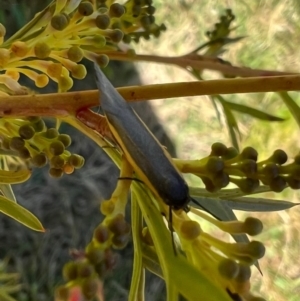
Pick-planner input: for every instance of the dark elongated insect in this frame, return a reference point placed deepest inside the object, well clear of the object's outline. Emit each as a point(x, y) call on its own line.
point(149, 159)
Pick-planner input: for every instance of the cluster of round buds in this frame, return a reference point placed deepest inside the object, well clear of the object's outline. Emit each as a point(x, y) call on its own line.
point(99, 257)
point(225, 165)
point(222, 28)
point(229, 264)
point(30, 140)
point(97, 260)
point(80, 274)
point(54, 43)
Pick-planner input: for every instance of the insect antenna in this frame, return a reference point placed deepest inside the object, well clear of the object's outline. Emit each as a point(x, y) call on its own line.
point(203, 208)
point(132, 179)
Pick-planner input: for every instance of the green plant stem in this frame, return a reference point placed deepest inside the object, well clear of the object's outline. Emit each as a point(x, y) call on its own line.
point(65, 104)
point(136, 292)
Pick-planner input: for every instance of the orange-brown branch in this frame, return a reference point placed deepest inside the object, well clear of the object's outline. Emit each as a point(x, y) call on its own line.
point(65, 104)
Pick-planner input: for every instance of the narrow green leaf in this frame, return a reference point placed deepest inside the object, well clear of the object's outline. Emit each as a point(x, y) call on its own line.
point(291, 105)
point(258, 204)
point(20, 214)
point(14, 177)
point(215, 207)
point(252, 112)
point(40, 20)
point(8, 192)
point(151, 261)
point(231, 122)
point(225, 193)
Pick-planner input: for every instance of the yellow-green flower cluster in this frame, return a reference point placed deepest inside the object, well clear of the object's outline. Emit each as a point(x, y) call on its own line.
point(32, 142)
point(222, 28)
point(53, 44)
point(114, 232)
point(227, 264)
point(225, 165)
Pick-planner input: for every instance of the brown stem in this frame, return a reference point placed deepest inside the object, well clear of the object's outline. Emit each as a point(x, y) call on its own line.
point(198, 62)
point(65, 104)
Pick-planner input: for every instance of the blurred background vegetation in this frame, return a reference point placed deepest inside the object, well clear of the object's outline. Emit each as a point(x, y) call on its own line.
point(68, 207)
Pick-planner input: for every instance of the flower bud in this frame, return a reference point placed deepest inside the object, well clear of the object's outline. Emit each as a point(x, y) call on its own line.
point(99, 40)
point(62, 293)
point(79, 71)
point(56, 148)
point(246, 185)
point(41, 80)
point(84, 270)
point(218, 149)
point(42, 50)
point(26, 131)
point(39, 160)
point(249, 153)
point(54, 70)
point(19, 48)
point(13, 74)
point(116, 10)
point(270, 170)
point(228, 268)
point(65, 83)
point(85, 8)
point(120, 241)
point(214, 164)
point(107, 207)
point(75, 54)
point(101, 234)
point(57, 162)
point(70, 271)
point(94, 255)
point(102, 21)
point(253, 226)
point(279, 156)
point(102, 60)
point(16, 143)
point(116, 35)
point(244, 273)
point(278, 184)
point(231, 153)
point(89, 288)
point(76, 161)
point(51, 133)
point(118, 225)
point(60, 22)
point(190, 230)
point(68, 169)
point(56, 173)
point(24, 153)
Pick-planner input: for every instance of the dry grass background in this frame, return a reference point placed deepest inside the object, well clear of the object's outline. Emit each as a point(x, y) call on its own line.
point(272, 30)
